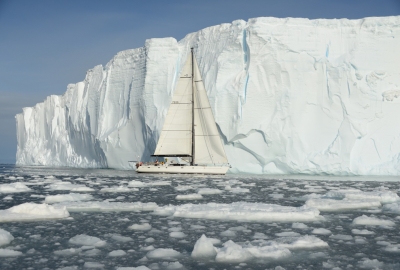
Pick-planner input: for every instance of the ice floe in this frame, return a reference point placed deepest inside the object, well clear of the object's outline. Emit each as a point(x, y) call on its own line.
point(187, 197)
point(340, 205)
point(372, 221)
point(106, 206)
point(117, 253)
point(67, 198)
point(209, 191)
point(370, 264)
point(361, 232)
point(299, 225)
point(5, 237)
point(69, 186)
point(354, 194)
point(321, 231)
point(142, 267)
point(204, 249)
point(393, 208)
point(257, 250)
point(118, 189)
point(177, 235)
point(140, 227)
point(242, 211)
point(32, 211)
point(135, 183)
point(9, 253)
point(350, 199)
point(86, 240)
point(120, 238)
point(163, 254)
point(68, 252)
point(14, 188)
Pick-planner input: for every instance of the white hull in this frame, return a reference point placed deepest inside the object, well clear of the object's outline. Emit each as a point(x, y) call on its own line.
point(182, 169)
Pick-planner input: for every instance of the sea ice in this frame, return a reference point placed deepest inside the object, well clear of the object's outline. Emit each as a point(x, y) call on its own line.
point(69, 186)
point(9, 253)
point(183, 188)
point(122, 239)
point(133, 268)
point(67, 252)
point(93, 265)
point(86, 240)
point(118, 189)
point(140, 227)
point(187, 197)
point(393, 208)
point(370, 264)
point(372, 221)
point(383, 197)
point(209, 191)
point(163, 254)
point(67, 198)
point(117, 253)
point(361, 232)
point(232, 252)
point(299, 225)
point(106, 206)
point(32, 211)
point(321, 231)
point(5, 237)
point(14, 188)
point(243, 211)
point(177, 235)
point(204, 249)
point(340, 205)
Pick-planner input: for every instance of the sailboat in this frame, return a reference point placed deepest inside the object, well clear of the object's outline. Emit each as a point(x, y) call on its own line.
point(189, 130)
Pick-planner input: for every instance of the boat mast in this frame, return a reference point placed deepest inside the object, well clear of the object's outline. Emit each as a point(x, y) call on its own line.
point(193, 145)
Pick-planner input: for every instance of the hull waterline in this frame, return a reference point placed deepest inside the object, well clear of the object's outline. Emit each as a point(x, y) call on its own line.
point(183, 169)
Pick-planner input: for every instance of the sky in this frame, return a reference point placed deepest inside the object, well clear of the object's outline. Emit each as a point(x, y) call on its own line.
point(46, 44)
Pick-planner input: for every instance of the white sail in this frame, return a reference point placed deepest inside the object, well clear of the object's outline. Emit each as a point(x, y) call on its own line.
point(176, 135)
point(208, 145)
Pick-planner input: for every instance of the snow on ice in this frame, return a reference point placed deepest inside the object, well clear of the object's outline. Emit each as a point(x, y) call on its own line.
point(289, 95)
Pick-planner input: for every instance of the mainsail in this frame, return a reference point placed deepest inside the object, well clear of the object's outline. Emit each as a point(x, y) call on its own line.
point(181, 128)
point(176, 135)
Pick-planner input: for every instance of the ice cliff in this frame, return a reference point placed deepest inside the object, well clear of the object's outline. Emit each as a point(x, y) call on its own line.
point(289, 96)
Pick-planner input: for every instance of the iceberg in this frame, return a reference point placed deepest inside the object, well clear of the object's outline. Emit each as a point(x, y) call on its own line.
point(289, 95)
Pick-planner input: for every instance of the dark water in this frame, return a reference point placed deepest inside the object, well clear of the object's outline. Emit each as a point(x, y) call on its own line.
point(40, 239)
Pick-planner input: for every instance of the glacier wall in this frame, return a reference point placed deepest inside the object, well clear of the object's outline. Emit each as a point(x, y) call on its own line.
point(289, 96)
